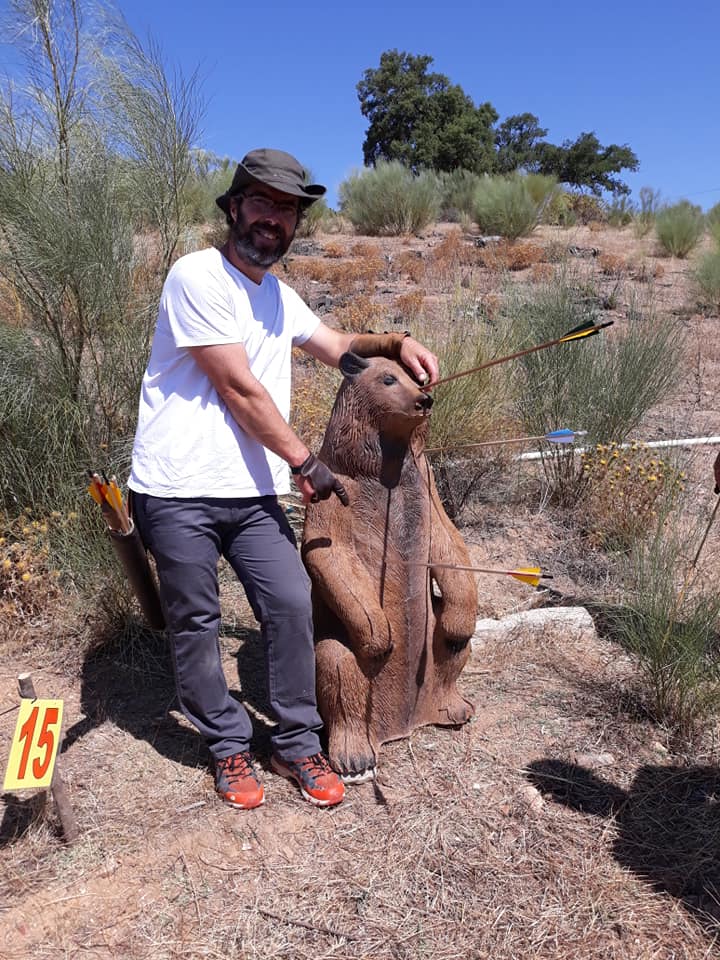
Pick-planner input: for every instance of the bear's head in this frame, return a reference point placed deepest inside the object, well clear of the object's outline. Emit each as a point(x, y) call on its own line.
point(379, 406)
point(383, 394)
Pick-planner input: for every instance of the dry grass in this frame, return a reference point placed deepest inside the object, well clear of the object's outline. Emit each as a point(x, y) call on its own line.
point(361, 314)
point(334, 249)
point(408, 306)
point(611, 265)
point(513, 837)
point(503, 256)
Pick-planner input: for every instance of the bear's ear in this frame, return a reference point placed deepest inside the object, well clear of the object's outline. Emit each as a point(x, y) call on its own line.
point(351, 365)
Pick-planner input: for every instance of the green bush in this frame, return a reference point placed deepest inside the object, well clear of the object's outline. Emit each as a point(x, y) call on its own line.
point(559, 211)
point(587, 209)
point(712, 218)
point(541, 187)
point(671, 627)
point(468, 410)
point(619, 211)
point(647, 212)
point(390, 200)
point(679, 228)
point(457, 194)
point(210, 176)
point(89, 156)
point(707, 277)
point(603, 384)
point(507, 207)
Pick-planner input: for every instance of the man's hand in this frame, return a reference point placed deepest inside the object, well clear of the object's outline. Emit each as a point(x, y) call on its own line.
point(421, 362)
point(717, 473)
point(316, 482)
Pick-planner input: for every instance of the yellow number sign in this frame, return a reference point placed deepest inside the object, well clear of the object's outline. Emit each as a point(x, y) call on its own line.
point(35, 744)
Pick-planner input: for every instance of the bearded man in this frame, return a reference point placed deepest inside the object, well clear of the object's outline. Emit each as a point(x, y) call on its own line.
point(211, 455)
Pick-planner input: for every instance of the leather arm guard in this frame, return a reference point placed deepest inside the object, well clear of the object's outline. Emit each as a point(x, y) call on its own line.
point(378, 344)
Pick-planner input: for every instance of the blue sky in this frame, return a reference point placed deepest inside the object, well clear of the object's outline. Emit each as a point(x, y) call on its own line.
point(284, 74)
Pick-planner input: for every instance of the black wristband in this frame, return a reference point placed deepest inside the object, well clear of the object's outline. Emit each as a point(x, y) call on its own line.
point(295, 471)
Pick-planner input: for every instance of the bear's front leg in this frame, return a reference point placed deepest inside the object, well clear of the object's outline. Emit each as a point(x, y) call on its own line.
point(342, 583)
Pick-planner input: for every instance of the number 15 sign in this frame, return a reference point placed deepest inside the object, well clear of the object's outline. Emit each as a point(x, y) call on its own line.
point(34, 746)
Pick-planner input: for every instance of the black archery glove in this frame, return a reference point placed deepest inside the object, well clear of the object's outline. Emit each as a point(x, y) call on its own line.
point(324, 481)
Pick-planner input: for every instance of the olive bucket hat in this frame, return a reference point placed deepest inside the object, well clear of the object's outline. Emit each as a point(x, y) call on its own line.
point(276, 169)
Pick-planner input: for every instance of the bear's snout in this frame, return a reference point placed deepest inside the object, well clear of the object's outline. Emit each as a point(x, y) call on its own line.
point(424, 402)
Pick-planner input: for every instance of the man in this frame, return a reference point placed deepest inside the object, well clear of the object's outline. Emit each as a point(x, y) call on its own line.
point(211, 454)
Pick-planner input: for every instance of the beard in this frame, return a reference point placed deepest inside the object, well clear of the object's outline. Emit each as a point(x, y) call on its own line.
point(261, 243)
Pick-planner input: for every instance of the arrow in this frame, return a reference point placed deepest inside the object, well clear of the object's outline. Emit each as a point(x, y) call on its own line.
point(529, 575)
point(586, 329)
point(106, 493)
point(555, 436)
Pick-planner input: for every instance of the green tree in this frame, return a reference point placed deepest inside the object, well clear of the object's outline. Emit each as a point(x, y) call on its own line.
point(585, 163)
point(516, 141)
point(422, 119)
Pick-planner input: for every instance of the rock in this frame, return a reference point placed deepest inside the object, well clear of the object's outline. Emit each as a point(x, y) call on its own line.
point(531, 798)
point(485, 241)
point(563, 624)
point(595, 759)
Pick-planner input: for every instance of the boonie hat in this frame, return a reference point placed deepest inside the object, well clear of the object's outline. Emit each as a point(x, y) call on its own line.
point(274, 168)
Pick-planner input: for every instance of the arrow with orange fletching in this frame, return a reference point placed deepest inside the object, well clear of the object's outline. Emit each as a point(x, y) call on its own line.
point(587, 329)
point(106, 493)
point(529, 575)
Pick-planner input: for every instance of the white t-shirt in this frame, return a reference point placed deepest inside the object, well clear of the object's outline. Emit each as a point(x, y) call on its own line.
point(187, 443)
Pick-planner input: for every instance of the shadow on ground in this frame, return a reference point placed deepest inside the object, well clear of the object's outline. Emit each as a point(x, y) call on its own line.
point(668, 825)
point(131, 685)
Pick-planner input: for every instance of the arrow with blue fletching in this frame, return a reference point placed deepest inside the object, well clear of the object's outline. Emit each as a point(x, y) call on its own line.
point(555, 436)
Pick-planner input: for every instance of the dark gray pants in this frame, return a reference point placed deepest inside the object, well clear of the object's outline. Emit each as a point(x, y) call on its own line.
point(186, 537)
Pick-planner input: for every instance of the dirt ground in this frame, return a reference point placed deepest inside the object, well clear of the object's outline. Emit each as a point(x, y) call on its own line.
point(558, 823)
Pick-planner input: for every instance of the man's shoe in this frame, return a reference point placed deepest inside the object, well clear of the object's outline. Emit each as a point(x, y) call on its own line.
point(317, 780)
point(237, 781)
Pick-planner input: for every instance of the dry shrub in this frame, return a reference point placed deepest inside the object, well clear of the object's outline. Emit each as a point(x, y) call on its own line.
point(362, 313)
point(491, 304)
point(555, 251)
point(11, 309)
point(364, 249)
point(596, 226)
point(626, 485)
point(344, 275)
point(411, 264)
point(611, 265)
point(542, 272)
point(28, 582)
point(314, 389)
point(587, 209)
point(408, 306)
point(334, 249)
point(306, 268)
point(454, 250)
point(511, 256)
point(646, 271)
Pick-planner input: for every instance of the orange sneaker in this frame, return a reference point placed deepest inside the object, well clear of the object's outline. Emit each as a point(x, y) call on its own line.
point(237, 781)
point(317, 780)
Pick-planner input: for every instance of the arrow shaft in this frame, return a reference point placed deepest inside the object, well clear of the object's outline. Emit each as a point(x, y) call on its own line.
point(514, 356)
point(455, 566)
